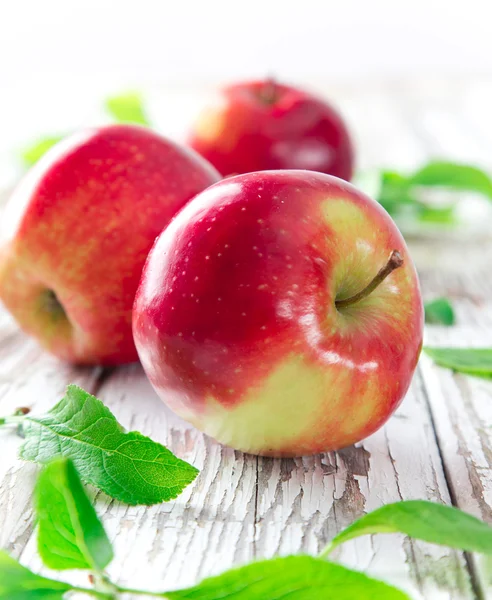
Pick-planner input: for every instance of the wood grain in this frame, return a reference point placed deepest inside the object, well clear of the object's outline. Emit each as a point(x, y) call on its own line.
point(437, 446)
point(462, 413)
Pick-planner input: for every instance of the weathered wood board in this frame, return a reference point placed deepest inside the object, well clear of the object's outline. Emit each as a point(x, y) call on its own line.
point(437, 446)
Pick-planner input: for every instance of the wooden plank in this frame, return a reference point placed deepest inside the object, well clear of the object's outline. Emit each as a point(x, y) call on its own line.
point(206, 530)
point(210, 526)
point(342, 495)
point(460, 405)
point(31, 378)
point(242, 507)
point(223, 519)
point(303, 502)
point(462, 414)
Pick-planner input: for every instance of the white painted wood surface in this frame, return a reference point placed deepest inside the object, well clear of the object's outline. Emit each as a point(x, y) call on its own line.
point(437, 446)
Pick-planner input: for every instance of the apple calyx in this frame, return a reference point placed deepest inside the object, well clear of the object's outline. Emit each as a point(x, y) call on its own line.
point(395, 261)
point(52, 305)
point(269, 92)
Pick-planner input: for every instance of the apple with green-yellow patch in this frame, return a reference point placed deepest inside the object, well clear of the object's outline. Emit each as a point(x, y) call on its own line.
point(280, 313)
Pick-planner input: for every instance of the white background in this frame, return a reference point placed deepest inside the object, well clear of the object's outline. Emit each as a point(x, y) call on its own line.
point(59, 58)
point(183, 41)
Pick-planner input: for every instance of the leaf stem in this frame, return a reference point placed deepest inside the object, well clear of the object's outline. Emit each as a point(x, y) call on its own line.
point(12, 420)
point(327, 550)
point(124, 590)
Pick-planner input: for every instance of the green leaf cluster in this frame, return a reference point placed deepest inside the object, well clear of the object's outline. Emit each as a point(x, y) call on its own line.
point(129, 467)
point(70, 536)
point(405, 196)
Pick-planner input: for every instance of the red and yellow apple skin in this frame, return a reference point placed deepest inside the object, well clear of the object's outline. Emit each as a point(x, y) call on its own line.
point(78, 229)
point(261, 125)
point(235, 319)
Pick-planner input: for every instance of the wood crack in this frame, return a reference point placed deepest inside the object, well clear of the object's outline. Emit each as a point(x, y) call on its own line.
point(255, 516)
point(408, 543)
point(474, 578)
point(103, 374)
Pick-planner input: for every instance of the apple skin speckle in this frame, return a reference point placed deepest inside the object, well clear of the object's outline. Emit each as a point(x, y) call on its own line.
point(81, 224)
point(305, 376)
point(242, 133)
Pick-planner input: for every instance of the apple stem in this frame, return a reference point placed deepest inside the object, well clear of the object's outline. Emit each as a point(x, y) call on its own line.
point(269, 91)
point(395, 261)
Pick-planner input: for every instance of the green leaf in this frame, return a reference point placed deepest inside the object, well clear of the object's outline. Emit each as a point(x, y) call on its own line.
point(473, 361)
point(401, 195)
point(19, 583)
point(293, 577)
point(33, 153)
point(396, 194)
point(423, 520)
point(396, 189)
point(440, 312)
point(70, 535)
point(127, 108)
point(454, 176)
point(127, 466)
point(394, 178)
point(445, 215)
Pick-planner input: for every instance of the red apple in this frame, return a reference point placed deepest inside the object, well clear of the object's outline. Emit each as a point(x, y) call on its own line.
point(262, 125)
point(77, 231)
point(280, 313)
